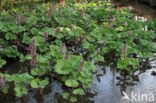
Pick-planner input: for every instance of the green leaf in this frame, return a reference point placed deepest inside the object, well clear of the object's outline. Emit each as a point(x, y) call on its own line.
point(20, 90)
point(73, 99)
point(34, 31)
point(65, 95)
point(39, 40)
point(122, 64)
point(71, 83)
point(62, 68)
point(10, 36)
point(5, 88)
point(78, 91)
point(35, 83)
point(43, 83)
point(99, 58)
point(2, 62)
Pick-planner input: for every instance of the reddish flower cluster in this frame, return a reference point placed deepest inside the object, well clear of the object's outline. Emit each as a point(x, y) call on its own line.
point(24, 18)
point(1, 82)
point(82, 13)
point(98, 50)
point(46, 36)
point(63, 48)
point(104, 42)
point(125, 24)
point(32, 48)
point(67, 57)
point(52, 9)
point(81, 67)
point(60, 11)
point(18, 19)
point(124, 51)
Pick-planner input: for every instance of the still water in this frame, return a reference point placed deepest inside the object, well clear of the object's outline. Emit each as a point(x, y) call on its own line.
point(107, 86)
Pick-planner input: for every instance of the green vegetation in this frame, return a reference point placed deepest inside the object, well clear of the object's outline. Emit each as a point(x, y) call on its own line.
point(67, 42)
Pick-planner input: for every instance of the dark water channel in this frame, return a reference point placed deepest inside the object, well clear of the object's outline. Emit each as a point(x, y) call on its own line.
point(108, 85)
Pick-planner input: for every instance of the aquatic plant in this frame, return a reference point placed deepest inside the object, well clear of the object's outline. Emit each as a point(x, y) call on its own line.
point(67, 43)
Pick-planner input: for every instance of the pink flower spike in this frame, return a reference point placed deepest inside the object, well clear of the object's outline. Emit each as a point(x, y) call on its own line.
point(81, 67)
point(18, 19)
point(46, 36)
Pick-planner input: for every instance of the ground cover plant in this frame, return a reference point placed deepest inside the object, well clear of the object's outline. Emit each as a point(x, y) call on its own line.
point(67, 43)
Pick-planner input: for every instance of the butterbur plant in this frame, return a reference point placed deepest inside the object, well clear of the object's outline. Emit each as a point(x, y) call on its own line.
point(52, 9)
point(63, 48)
point(98, 50)
point(85, 29)
point(104, 42)
point(1, 82)
point(81, 66)
point(24, 18)
point(83, 11)
point(124, 51)
point(84, 39)
point(125, 24)
point(74, 8)
point(32, 48)
point(60, 11)
point(67, 57)
point(18, 19)
point(46, 36)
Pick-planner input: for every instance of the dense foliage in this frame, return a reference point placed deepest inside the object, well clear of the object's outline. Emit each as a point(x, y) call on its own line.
point(67, 42)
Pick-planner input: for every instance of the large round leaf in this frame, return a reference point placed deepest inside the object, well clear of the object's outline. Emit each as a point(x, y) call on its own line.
point(71, 83)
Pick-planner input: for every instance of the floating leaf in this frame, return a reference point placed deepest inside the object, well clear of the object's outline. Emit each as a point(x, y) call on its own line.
point(65, 95)
point(78, 91)
point(71, 83)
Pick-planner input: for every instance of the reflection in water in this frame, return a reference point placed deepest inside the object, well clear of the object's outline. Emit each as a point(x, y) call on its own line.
point(107, 86)
point(137, 8)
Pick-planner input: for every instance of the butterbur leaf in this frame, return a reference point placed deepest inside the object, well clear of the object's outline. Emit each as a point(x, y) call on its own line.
point(10, 36)
point(2, 62)
point(73, 99)
point(35, 83)
point(62, 68)
point(99, 58)
point(20, 90)
point(43, 83)
point(71, 83)
point(65, 95)
point(78, 91)
point(122, 64)
point(5, 88)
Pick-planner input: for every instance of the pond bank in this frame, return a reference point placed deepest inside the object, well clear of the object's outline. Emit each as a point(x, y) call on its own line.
point(138, 8)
